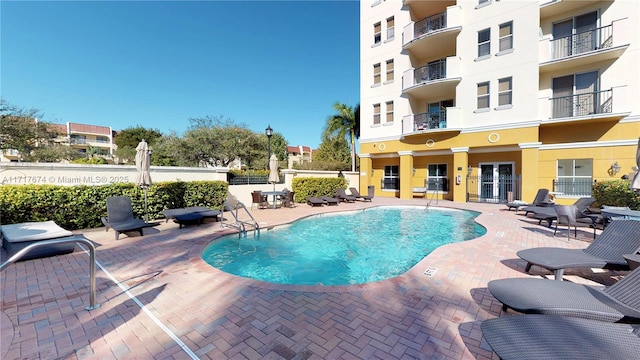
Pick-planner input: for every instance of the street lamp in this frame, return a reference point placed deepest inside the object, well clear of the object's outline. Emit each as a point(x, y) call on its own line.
point(269, 132)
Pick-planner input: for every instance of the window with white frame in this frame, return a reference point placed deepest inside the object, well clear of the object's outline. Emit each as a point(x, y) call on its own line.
point(390, 28)
point(390, 70)
point(377, 33)
point(484, 42)
point(376, 74)
point(389, 111)
point(505, 34)
point(504, 91)
point(483, 95)
point(437, 177)
point(376, 114)
point(575, 177)
point(391, 177)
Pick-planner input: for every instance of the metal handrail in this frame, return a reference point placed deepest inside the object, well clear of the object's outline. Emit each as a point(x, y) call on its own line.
point(233, 206)
point(92, 261)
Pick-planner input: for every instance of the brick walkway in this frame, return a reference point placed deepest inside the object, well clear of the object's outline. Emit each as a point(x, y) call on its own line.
point(160, 300)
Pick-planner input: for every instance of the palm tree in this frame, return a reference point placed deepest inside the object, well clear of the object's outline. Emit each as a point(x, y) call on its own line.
point(345, 123)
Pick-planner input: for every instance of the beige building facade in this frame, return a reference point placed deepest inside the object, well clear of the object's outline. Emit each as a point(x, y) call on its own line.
point(487, 100)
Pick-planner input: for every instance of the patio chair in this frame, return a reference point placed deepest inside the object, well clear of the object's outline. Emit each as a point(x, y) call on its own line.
point(618, 302)
point(314, 201)
point(541, 200)
point(288, 199)
point(16, 237)
point(570, 215)
point(120, 216)
point(620, 238)
point(355, 193)
point(259, 200)
point(541, 337)
point(342, 195)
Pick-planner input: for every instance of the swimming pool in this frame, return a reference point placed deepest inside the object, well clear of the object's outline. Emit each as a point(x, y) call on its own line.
point(343, 248)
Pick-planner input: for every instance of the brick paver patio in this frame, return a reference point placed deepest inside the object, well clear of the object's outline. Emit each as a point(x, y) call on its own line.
point(160, 300)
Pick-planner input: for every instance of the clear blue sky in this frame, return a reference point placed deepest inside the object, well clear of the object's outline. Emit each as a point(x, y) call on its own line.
point(158, 63)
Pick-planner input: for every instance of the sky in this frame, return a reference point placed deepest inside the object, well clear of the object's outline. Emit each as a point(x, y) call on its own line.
point(157, 64)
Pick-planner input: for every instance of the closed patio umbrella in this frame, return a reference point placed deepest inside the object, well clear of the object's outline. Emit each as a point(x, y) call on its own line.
point(273, 171)
point(635, 182)
point(143, 178)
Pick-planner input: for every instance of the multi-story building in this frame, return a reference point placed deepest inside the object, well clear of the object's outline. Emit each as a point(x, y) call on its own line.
point(82, 137)
point(298, 154)
point(490, 100)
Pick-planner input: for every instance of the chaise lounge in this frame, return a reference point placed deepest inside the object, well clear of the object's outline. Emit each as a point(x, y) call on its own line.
point(606, 251)
point(541, 200)
point(542, 337)
point(188, 215)
point(120, 216)
point(314, 201)
point(356, 193)
point(618, 302)
point(16, 237)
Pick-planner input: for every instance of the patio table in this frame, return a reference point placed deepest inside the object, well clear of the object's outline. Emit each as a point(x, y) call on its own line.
point(275, 195)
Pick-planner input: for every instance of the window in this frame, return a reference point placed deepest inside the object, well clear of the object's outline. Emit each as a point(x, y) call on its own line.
point(506, 36)
point(576, 35)
point(504, 91)
point(377, 33)
point(102, 139)
point(578, 95)
point(484, 42)
point(390, 28)
point(437, 177)
point(574, 177)
point(391, 178)
point(389, 111)
point(483, 95)
point(376, 74)
point(78, 139)
point(390, 70)
point(376, 114)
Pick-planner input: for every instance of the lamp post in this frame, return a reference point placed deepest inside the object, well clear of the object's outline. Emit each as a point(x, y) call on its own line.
point(269, 132)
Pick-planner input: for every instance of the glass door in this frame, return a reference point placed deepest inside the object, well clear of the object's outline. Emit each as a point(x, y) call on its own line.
point(496, 182)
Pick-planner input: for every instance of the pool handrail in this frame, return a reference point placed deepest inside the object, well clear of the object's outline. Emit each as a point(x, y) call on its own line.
point(232, 205)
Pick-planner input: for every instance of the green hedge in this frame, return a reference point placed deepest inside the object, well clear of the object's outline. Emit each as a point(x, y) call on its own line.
point(305, 187)
point(82, 206)
point(616, 193)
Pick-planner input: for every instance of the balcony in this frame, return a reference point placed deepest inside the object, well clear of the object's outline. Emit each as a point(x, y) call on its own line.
point(587, 107)
point(437, 77)
point(433, 35)
point(417, 124)
point(604, 43)
point(549, 8)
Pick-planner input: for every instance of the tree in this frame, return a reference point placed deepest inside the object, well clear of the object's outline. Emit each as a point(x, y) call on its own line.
point(345, 124)
point(218, 142)
point(168, 150)
point(128, 139)
point(20, 130)
point(333, 153)
point(55, 153)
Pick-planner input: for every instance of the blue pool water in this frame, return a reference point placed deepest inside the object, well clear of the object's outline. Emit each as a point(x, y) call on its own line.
point(346, 248)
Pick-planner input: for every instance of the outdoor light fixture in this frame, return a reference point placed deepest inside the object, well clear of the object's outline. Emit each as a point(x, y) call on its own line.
point(614, 169)
point(469, 170)
point(269, 132)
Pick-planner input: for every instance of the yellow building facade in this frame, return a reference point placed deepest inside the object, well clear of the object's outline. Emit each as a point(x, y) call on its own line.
point(491, 100)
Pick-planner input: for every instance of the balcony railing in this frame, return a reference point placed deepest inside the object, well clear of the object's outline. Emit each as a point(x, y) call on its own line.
point(597, 102)
point(431, 120)
point(78, 141)
point(429, 24)
point(573, 186)
point(583, 42)
point(432, 71)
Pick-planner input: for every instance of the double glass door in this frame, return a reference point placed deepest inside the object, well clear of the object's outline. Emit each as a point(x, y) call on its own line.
point(496, 182)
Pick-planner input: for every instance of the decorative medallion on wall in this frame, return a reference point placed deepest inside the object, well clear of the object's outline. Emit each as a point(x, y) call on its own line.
point(430, 142)
point(381, 147)
point(493, 137)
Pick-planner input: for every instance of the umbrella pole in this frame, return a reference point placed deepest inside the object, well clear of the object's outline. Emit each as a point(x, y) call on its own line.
point(146, 208)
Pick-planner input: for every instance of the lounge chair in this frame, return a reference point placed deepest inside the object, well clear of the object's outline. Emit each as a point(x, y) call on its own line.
point(355, 193)
point(342, 195)
point(541, 337)
point(541, 200)
point(204, 212)
point(120, 216)
point(16, 237)
point(328, 200)
point(314, 201)
point(618, 302)
point(620, 238)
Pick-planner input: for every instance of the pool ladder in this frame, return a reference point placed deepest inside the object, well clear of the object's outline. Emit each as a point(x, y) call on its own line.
point(232, 205)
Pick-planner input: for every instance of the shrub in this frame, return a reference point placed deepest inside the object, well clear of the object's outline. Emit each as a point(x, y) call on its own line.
point(82, 206)
point(616, 193)
point(305, 187)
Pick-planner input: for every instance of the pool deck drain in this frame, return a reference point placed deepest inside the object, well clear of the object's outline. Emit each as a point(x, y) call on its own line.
point(430, 272)
point(221, 316)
